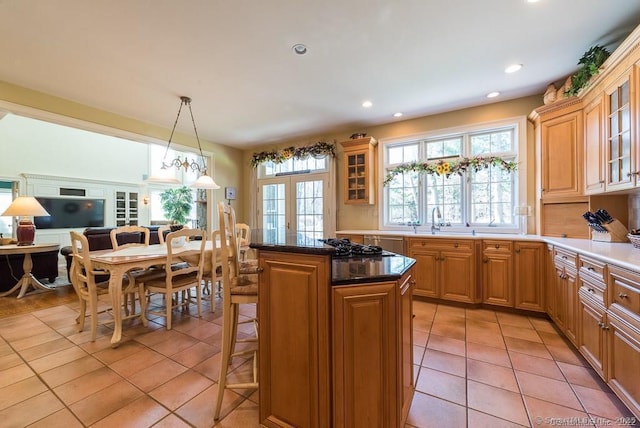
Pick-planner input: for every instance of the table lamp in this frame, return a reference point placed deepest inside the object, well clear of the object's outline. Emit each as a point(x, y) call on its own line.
point(25, 206)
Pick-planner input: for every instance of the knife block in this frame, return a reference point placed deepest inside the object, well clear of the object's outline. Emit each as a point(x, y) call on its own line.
point(616, 232)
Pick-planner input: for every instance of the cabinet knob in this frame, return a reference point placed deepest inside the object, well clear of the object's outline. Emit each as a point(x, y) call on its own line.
point(622, 295)
point(517, 250)
point(497, 246)
point(456, 245)
point(485, 260)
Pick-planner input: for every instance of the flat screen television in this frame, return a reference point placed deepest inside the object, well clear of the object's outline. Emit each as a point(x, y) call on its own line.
point(70, 213)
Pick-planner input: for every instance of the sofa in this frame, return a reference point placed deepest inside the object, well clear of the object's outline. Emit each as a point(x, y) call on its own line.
point(99, 238)
point(45, 265)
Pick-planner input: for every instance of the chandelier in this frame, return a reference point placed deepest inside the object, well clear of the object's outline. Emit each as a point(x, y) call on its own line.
point(204, 181)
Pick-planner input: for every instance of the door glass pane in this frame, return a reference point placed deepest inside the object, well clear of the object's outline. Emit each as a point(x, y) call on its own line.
point(309, 209)
point(273, 209)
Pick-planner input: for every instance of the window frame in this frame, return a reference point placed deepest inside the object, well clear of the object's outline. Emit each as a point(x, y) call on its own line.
point(519, 125)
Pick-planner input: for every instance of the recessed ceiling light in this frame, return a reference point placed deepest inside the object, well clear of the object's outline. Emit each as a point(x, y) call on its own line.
point(513, 68)
point(493, 94)
point(299, 49)
point(532, 1)
point(367, 104)
point(398, 114)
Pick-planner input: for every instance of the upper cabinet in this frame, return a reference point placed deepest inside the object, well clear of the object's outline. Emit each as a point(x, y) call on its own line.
point(561, 144)
point(359, 168)
point(621, 157)
point(594, 152)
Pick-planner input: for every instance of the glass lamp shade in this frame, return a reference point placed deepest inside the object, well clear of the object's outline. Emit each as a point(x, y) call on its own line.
point(205, 182)
point(25, 206)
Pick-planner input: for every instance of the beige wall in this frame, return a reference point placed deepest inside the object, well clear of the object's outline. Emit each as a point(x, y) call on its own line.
point(366, 217)
point(226, 158)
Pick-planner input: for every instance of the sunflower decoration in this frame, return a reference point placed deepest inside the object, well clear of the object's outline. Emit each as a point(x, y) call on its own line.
point(460, 166)
point(317, 150)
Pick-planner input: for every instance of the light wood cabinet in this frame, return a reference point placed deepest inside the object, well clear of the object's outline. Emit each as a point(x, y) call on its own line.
point(372, 354)
point(355, 238)
point(497, 273)
point(529, 275)
point(445, 268)
point(551, 276)
point(294, 304)
point(359, 170)
point(561, 139)
point(593, 325)
point(621, 168)
point(566, 292)
point(623, 369)
point(594, 147)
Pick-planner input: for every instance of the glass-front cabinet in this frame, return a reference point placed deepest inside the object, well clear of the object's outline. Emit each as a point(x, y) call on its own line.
point(621, 171)
point(359, 184)
point(126, 208)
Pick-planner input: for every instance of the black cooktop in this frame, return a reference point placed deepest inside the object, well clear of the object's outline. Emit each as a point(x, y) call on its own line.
point(346, 248)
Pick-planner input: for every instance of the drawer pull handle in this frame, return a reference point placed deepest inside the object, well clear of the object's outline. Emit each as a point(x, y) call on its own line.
point(603, 326)
point(455, 245)
point(497, 246)
point(622, 295)
point(590, 269)
point(591, 290)
point(564, 257)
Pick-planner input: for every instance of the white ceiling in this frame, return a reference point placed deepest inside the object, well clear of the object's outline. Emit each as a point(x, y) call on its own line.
point(235, 59)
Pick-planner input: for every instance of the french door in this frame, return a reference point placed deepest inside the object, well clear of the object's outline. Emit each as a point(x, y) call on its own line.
point(293, 204)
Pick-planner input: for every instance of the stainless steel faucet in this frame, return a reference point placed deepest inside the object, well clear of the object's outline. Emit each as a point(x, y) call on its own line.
point(435, 211)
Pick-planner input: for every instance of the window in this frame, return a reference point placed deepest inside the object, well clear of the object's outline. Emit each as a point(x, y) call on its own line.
point(482, 198)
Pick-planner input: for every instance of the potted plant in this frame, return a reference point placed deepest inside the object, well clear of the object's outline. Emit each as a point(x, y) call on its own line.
point(176, 204)
point(591, 62)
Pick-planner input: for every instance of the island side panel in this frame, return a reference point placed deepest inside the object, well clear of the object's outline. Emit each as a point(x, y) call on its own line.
point(294, 339)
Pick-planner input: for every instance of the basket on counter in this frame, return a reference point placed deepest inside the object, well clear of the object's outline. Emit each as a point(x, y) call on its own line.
point(635, 240)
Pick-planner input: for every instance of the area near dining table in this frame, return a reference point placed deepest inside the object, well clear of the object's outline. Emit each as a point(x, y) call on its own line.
point(119, 262)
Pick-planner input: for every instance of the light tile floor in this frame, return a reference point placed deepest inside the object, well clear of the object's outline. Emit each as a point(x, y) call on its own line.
point(474, 368)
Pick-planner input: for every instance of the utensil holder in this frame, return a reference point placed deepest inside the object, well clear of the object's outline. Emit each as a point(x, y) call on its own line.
point(616, 232)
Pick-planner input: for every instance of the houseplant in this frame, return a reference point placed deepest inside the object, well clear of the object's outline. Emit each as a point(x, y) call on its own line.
point(176, 204)
point(591, 62)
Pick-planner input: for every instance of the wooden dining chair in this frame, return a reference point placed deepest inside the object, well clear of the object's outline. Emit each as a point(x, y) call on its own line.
point(179, 277)
point(129, 236)
point(83, 279)
point(237, 289)
point(244, 239)
point(162, 232)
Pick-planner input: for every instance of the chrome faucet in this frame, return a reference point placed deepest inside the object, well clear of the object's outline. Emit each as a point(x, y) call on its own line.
point(435, 211)
point(414, 224)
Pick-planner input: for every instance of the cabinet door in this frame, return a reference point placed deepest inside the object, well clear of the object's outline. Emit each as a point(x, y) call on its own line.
point(126, 208)
point(561, 164)
point(457, 275)
point(551, 279)
point(364, 355)
point(407, 386)
point(497, 273)
point(620, 138)
point(425, 271)
point(624, 361)
point(560, 298)
point(529, 275)
point(570, 285)
point(297, 372)
point(594, 156)
point(591, 341)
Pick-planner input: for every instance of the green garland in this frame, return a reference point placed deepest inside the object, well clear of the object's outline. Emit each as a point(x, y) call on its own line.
point(318, 149)
point(448, 168)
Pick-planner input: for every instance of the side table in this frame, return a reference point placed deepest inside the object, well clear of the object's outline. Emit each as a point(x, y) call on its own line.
point(27, 278)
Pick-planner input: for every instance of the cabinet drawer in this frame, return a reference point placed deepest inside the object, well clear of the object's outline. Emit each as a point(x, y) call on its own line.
point(565, 258)
point(593, 269)
point(497, 246)
point(442, 244)
point(595, 289)
point(625, 289)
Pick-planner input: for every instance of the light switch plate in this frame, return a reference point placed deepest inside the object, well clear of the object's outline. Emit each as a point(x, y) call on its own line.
point(229, 193)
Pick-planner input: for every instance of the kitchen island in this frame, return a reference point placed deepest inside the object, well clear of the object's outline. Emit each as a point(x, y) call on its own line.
point(335, 336)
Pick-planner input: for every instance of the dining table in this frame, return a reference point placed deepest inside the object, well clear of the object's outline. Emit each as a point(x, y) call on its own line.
point(119, 262)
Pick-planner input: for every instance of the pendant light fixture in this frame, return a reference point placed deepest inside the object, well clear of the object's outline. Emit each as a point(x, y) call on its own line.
point(204, 181)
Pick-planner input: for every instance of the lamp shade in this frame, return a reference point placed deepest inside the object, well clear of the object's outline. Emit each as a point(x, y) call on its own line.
point(205, 182)
point(25, 206)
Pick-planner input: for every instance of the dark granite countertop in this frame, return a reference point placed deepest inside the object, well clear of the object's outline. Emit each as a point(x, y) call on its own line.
point(344, 270)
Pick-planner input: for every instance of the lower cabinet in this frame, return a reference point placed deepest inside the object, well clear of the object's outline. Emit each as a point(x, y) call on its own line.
point(593, 327)
point(529, 263)
point(565, 292)
point(372, 354)
point(497, 273)
point(445, 268)
point(624, 360)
